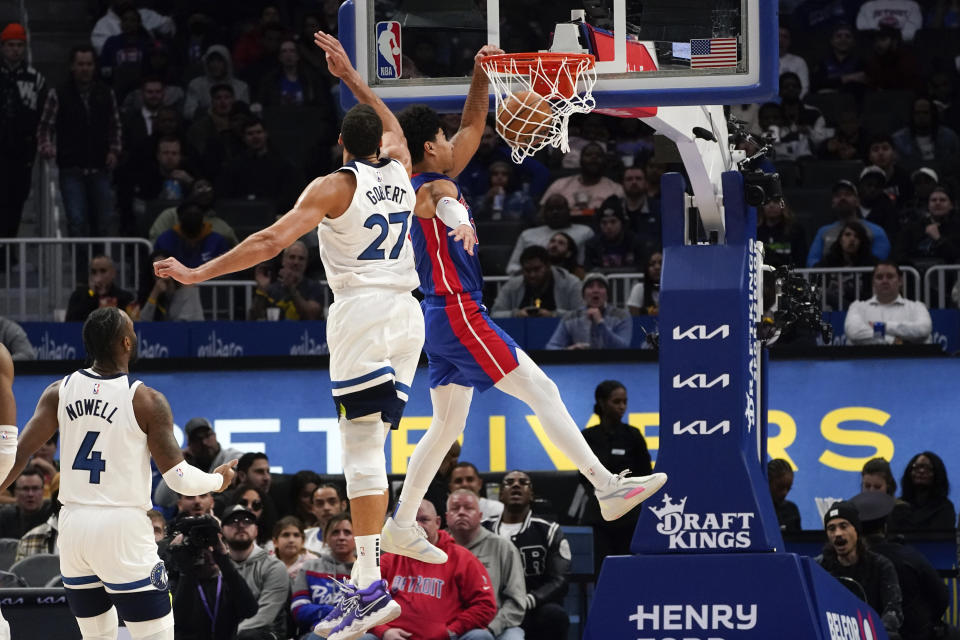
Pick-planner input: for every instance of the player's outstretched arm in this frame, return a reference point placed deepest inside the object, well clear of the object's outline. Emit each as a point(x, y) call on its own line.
point(474, 118)
point(156, 420)
point(394, 142)
point(439, 199)
point(40, 428)
point(329, 195)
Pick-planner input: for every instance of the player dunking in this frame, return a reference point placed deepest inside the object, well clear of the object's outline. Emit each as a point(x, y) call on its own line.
point(465, 348)
point(8, 436)
point(109, 426)
point(374, 327)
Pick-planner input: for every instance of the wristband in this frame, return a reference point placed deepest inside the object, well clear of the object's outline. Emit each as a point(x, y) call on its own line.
point(452, 213)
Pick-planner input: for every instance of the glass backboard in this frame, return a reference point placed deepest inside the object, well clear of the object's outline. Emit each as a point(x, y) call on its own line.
point(649, 52)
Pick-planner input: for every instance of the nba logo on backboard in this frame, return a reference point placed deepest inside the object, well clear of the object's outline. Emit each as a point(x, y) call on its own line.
point(388, 50)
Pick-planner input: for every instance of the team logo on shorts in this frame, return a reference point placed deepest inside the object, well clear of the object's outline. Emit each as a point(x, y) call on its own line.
point(158, 576)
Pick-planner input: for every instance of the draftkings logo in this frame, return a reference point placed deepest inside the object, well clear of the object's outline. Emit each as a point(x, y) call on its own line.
point(730, 530)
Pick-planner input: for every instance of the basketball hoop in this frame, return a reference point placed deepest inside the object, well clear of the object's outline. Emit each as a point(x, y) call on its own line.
point(566, 80)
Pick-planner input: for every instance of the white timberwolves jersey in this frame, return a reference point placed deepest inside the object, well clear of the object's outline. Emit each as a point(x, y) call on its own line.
point(369, 245)
point(104, 459)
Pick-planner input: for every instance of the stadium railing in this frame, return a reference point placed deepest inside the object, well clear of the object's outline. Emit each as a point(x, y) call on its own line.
point(822, 275)
point(939, 286)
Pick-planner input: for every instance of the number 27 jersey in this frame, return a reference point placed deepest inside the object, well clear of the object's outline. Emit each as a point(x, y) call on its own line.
point(104, 458)
point(369, 244)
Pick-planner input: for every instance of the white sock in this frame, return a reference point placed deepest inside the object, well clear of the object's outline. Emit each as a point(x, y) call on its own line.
point(368, 560)
point(451, 404)
point(531, 385)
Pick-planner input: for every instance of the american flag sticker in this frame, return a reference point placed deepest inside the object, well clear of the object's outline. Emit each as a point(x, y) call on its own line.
point(713, 53)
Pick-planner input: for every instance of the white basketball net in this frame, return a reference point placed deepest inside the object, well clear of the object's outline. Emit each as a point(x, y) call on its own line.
point(527, 136)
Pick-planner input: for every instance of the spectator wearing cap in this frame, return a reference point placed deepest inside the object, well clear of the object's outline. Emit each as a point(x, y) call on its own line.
point(597, 324)
point(555, 213)
point(586, 191)
point(924, 181)
point(841, 69)
point(615, 247)
point(933, 238)
point(846, 556)
point(264, 574)
point(845, 205)
point(926, 488)
point(644, 298)
point(780, 478)
point(218, 69)
point(925, 596)
point(541, 291)
point(21, 94)
point(202, 451)
point(192, 240)
point(925, 140)
point(876, 205)
point(881, 153)
point(783, 240)
point(887, 317)
point(903, 15)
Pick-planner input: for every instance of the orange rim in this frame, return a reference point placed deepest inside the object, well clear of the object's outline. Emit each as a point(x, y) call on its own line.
point(524, 62)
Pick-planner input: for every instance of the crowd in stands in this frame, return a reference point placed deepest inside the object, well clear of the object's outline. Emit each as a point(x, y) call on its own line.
point(192, 126)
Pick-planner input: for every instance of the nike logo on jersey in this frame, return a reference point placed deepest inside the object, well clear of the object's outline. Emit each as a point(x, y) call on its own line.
point(91, 407)
point(386, 192)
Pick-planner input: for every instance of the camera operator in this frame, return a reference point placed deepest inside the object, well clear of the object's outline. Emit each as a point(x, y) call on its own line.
point(211, 597)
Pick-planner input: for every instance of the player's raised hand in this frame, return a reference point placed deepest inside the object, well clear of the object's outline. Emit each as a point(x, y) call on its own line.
point(227, 471)
point(465, 234)
point(171, 268)
point(337, 60)
point(486, 50)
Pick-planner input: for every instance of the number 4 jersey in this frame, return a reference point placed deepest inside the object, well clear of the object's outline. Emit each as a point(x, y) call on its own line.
point(104, 459)
point(369, 244)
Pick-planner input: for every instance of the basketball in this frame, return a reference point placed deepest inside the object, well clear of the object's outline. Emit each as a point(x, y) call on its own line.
point(524, 118)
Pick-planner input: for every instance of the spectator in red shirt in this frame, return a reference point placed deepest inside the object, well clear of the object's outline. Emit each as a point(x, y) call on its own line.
point(439, 601)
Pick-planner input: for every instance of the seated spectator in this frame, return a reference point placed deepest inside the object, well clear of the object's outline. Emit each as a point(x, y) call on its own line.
point(789, 144)
point(170, 95)
point(877, 476)
point(925, 487)
point(293, 83)
point(588, 189)
point(101, 291)
point(783, 240)
point(298, 297)
point(253, 470)
point(43, 537)
point(466, 476)
point(780, 478)
point(556, 217)
point(201, 193)
point(924, 181)
point(542, 291)
point(876, 205)
point(110, 24)
point(887, 317)
point(618, 446)
point(328, 500)
point(926, 141)
point(596, 325)
point(168, 300)
point(211, 127)
point(167, 176)
point(852, 249)
point(475, 179)
point(849, 139)
point(260, 172)
point(218, 69)
point(634, 141)
point(123, 57)
point(505, 200)
point(643, 211)
point(881, 153)
point(846, 556)
point(614, 247)
point(933, 238)
point(29, 510)
point(302, 487)
point(463, 608)
point(644, 298)
point(545, 554)
point(563, 253)
point(192, 241)
point(265, 575)
point(499, 557)
point(941, 88)
point(925, 596)
point(202, 451)
point(15, 339)
point(902, 15)
point(288, 545)
point(845, 205)
point(891, 65)
point(800, 120)
point(841, 69)
point(318, 586)
point(791, 62)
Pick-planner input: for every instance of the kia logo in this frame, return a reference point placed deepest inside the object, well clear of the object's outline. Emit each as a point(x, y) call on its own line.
point(700, 332)
point(699, 381)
